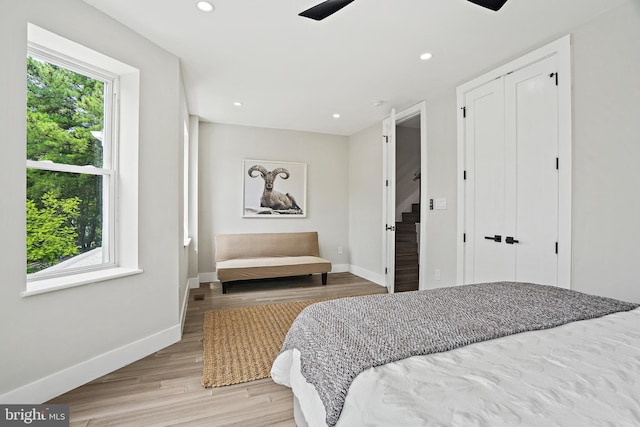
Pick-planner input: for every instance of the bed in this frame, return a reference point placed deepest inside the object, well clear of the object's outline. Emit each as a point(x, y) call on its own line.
point(498, 354)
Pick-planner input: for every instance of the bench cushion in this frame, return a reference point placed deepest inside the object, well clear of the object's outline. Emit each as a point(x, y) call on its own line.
point(235, 246)
point(267, 267)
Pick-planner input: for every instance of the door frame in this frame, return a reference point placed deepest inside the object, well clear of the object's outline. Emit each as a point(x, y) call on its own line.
point(388, 192)
point(561, 48)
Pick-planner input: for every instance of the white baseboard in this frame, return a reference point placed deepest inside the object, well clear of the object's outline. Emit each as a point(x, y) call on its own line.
point(376, 278)
point(208, 277)
point(192, 283)
point(63, 381)
point(339, 268)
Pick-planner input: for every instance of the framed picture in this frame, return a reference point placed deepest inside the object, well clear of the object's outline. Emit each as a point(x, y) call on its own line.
point(274, 189)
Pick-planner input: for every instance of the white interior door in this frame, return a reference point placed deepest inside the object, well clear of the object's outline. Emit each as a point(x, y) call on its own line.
point(531, 105)
point(389, 161)
point(486, 256)
point(390, 200)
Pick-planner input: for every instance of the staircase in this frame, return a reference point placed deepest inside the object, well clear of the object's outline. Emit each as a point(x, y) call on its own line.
point(406, 271)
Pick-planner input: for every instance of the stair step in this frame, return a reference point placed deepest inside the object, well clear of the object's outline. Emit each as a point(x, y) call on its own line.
point(406, 282)
point(405, 227)
point(406, 287)
point(406, 264)
point(410, 217)
point(406, 260)
point(404, 248)
point(409, 274)
point(409, 238)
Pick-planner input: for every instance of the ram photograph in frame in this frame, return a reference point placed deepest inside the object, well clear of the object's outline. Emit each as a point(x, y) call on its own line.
point(274, 189)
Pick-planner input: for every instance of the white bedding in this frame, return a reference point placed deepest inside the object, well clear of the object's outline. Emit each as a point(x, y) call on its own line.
point(585, 373)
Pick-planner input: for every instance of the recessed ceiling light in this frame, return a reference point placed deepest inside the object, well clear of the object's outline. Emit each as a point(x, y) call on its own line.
point(336, 116)
point(205, 6)
point(425, 56)
point(237, 104)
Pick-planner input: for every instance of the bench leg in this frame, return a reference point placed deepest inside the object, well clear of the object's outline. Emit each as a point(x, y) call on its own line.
point(224, 287)
point(324, 279)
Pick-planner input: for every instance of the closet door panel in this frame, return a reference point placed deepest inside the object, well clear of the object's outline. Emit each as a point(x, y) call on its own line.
point(531, 191)
point(485, 260)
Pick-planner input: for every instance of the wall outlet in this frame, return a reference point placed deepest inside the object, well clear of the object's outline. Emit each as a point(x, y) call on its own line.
point(436, 274)
point(339, 250)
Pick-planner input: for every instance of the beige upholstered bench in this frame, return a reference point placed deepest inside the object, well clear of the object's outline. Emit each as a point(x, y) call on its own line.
point(267, 255)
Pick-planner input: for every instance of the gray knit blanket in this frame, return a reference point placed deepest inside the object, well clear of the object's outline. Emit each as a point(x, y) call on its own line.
point(341, 338)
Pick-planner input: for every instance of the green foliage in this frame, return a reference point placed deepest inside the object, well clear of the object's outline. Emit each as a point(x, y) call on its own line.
point(63, 108)
point(51, 234)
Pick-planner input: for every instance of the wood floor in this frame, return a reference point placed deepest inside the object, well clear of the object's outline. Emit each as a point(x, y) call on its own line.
point(164, 389)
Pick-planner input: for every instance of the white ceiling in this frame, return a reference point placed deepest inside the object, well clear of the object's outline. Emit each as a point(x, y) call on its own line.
point(295, 73)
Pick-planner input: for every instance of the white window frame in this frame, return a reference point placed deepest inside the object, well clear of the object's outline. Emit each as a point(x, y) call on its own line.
point(185, 186)
point(120, 166)
point(109, 165)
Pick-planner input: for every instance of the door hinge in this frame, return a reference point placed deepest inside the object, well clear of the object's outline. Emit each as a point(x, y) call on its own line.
point(386, 270)
point(464, 112)
point(557, 163)
point(552, 75)
point(464, 175)
point(556, 248)
point(386, 184)
point(386, 138)
point(464, 237)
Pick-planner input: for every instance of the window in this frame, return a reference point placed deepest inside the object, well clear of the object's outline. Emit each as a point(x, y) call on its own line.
point(70, 170)
point(82, 124)
point(185, 186)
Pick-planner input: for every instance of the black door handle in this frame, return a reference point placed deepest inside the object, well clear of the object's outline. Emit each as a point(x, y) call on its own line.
point(496, 238)
point(510, 240)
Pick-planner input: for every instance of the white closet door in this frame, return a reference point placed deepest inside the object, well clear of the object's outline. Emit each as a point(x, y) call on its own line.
point(518, 161)
point(485, 260)
point(511, 190)
point(531, 197)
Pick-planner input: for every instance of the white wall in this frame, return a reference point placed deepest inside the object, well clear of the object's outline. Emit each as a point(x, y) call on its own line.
point(606, 201)
point(186, 267)
point(606, 66)
point(365, 203)
point(56, 341)
point(221, 152)
point(606, 155)
point(441, 183)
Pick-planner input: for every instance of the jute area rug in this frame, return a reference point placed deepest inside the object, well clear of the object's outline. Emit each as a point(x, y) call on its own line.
point(240, 344)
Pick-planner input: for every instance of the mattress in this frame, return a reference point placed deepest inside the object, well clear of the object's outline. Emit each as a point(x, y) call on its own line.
point(585, 373)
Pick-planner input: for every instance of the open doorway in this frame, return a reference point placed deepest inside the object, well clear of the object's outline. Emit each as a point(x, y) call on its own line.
point(407, 182)
point(404, 192)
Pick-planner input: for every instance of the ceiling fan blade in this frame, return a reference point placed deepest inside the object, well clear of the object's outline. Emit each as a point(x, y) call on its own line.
point(490, 4)
point(324, 9)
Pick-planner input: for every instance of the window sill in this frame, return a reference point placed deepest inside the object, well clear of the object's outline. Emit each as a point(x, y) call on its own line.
point(53, 284)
